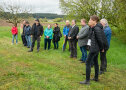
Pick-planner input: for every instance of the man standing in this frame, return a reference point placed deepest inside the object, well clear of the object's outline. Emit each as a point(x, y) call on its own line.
point(36, 34)
point(108, 34)
point(96, 46)
point(23, 34)
point(83, 39)
point(73, 40)
point(65, 33)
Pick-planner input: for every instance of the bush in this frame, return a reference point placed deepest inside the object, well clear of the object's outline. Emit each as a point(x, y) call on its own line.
point(43, 19)
point(58, 20)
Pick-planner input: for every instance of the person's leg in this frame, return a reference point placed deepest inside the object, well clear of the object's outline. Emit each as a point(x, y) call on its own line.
point(75, 49)
point(16, 39)
point(12, 39)
point(54, 44)
point(65, 43)
point(96, 67)
point(38, 43)
point(71, 49)
point(102, 58)
point(26, 37)
point(29, 38)
point(49, 44)
point(105, 63)
point(84, 53)
point(33, 43)
point(45, 46)
point(57, 45)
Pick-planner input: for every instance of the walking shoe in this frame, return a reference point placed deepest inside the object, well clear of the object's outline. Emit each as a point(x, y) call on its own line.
point(94, 79)
point(85, 82)
point(30, 51)
point(101, 72)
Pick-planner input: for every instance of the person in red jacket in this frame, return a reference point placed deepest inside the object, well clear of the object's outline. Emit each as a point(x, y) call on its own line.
point(14, 31)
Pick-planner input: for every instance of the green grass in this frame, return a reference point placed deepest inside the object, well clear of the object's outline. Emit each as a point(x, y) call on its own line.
point(54, 70)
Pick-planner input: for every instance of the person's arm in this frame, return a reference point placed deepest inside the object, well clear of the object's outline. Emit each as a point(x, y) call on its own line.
point(98, 35)
point(84, 34)
point(64, 29)
point(51, 33)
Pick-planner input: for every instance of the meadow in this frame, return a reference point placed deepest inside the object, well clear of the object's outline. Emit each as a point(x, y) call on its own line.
point(53, 69)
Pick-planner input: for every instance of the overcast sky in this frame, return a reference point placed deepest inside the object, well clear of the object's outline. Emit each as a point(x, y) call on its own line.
point(38, 6)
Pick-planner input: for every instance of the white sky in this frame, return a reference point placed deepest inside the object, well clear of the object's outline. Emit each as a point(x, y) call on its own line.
point(38, 6)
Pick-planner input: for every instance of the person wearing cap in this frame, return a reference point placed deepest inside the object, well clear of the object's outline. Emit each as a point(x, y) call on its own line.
point(27, 31)
point(36, 34)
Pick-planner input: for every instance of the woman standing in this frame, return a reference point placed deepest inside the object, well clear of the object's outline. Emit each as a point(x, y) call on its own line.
point(48, 33)
point(56, 36)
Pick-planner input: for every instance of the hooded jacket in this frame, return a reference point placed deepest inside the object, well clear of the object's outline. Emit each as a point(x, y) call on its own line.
point(14, 30)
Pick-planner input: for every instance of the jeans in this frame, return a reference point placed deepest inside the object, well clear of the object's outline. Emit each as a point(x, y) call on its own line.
point(14, 36)
point(84, 53)
point(47, 41)
point(73, 48)
point(33, 42)
point(92, 57)
point(65, 43)
point(103, 61)
point(28, 39)
point(56, 45)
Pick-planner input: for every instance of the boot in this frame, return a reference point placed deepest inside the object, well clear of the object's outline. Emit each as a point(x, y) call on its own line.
point(85, 82)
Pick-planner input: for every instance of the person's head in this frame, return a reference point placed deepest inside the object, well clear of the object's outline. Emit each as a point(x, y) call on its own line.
point(49, 26)
point(37, 21)
point(24, 22)
point(93, 20)
point(56, 24)
point(27, 23)
point(67, 22)
point(73, 22)
point(104, 22)
point(83, 22)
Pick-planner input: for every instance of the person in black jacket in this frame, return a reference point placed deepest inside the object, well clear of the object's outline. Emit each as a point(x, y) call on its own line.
point(73, 40)
point(96, 46)
point(36, 34)
point(56, 36)
point(23, 34)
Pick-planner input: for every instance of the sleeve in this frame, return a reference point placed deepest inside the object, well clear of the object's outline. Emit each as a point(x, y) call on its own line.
point(84, 34)
point(98, 35)
point(51, 33)
point(41, 30)
point(32, 29)
point(45, 34)
point(64, 31)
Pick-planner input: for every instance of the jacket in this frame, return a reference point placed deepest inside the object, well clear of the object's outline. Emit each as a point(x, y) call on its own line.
point(66, 30)
point(48, 32)
point(56, 36)
point(14, 30)
point(73, 32)
point(96, 39)
point(39, 30)
point(83, 36)
point(27, 30)
point(108, 34)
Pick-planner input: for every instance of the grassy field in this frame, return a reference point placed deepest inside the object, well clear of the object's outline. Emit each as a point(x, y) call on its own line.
point(54, 70)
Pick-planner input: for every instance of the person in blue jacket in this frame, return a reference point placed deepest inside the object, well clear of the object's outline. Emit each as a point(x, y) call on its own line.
point(108, 34)
point(27, 31)
point(48, 36)
point(65, 33)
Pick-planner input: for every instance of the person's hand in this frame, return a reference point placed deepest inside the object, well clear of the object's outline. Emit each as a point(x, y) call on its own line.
point(31, 35)
point(40, 36)
point(103, 50)
point(47, 37)
point(64, 36)
point(77, 37)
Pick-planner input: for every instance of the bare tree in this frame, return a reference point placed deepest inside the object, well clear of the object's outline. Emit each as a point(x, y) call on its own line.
point(13, 13)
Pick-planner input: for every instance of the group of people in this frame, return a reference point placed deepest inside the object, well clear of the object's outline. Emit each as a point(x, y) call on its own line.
point(94, 37)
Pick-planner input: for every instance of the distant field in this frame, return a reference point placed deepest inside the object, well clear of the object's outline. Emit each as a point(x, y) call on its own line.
point(54, 70)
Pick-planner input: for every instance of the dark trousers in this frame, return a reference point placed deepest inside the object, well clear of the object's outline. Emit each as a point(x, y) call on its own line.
point(47, 41)
point(56, 45)
point(103, 61)
point(73, 48)
point(33, 42)
point(84, 53)
point(65, 44)
point(92, 57)
point(24, 40)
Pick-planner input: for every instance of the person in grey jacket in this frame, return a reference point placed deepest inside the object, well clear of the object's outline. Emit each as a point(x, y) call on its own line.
point(83, 39)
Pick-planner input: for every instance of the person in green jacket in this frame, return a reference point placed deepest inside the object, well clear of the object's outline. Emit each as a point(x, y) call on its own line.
point(48, 35)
